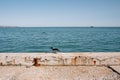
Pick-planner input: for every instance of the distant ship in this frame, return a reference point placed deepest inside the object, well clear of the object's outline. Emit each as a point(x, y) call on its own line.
point(91, 26)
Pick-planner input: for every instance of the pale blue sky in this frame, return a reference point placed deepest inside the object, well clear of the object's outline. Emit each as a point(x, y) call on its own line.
point(60, 12)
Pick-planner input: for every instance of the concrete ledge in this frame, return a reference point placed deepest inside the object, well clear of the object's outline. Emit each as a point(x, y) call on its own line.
point(60, 59)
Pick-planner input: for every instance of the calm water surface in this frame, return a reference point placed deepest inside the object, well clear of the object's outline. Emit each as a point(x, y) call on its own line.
point(67, 39)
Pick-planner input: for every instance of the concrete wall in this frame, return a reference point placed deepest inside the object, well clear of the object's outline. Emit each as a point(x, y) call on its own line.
point(58, 59)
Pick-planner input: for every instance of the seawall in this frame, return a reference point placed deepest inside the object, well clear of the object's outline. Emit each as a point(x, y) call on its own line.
point(60, 59)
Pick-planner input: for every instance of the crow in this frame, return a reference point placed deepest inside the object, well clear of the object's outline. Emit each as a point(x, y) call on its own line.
point(54, 49)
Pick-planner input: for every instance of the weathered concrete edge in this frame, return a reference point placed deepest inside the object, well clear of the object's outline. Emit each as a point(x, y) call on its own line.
point(64, 59)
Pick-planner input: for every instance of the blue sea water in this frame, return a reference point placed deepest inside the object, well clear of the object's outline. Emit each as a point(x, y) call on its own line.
point(67, 39)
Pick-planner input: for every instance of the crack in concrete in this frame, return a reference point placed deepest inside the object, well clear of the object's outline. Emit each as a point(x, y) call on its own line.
point(113, 69)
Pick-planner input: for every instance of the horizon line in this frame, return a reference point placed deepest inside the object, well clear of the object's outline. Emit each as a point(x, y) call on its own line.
point(59, 26)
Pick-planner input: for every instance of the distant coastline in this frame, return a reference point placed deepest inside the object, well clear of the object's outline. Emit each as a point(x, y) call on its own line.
point(8, 26)
point(62, 26)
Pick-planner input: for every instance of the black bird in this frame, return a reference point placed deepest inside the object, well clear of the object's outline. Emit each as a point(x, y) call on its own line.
point(54, 49)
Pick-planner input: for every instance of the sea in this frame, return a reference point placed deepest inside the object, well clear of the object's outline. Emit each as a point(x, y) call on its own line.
point(66, 39)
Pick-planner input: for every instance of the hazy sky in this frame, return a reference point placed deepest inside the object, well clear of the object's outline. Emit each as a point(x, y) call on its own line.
point(60, 12)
